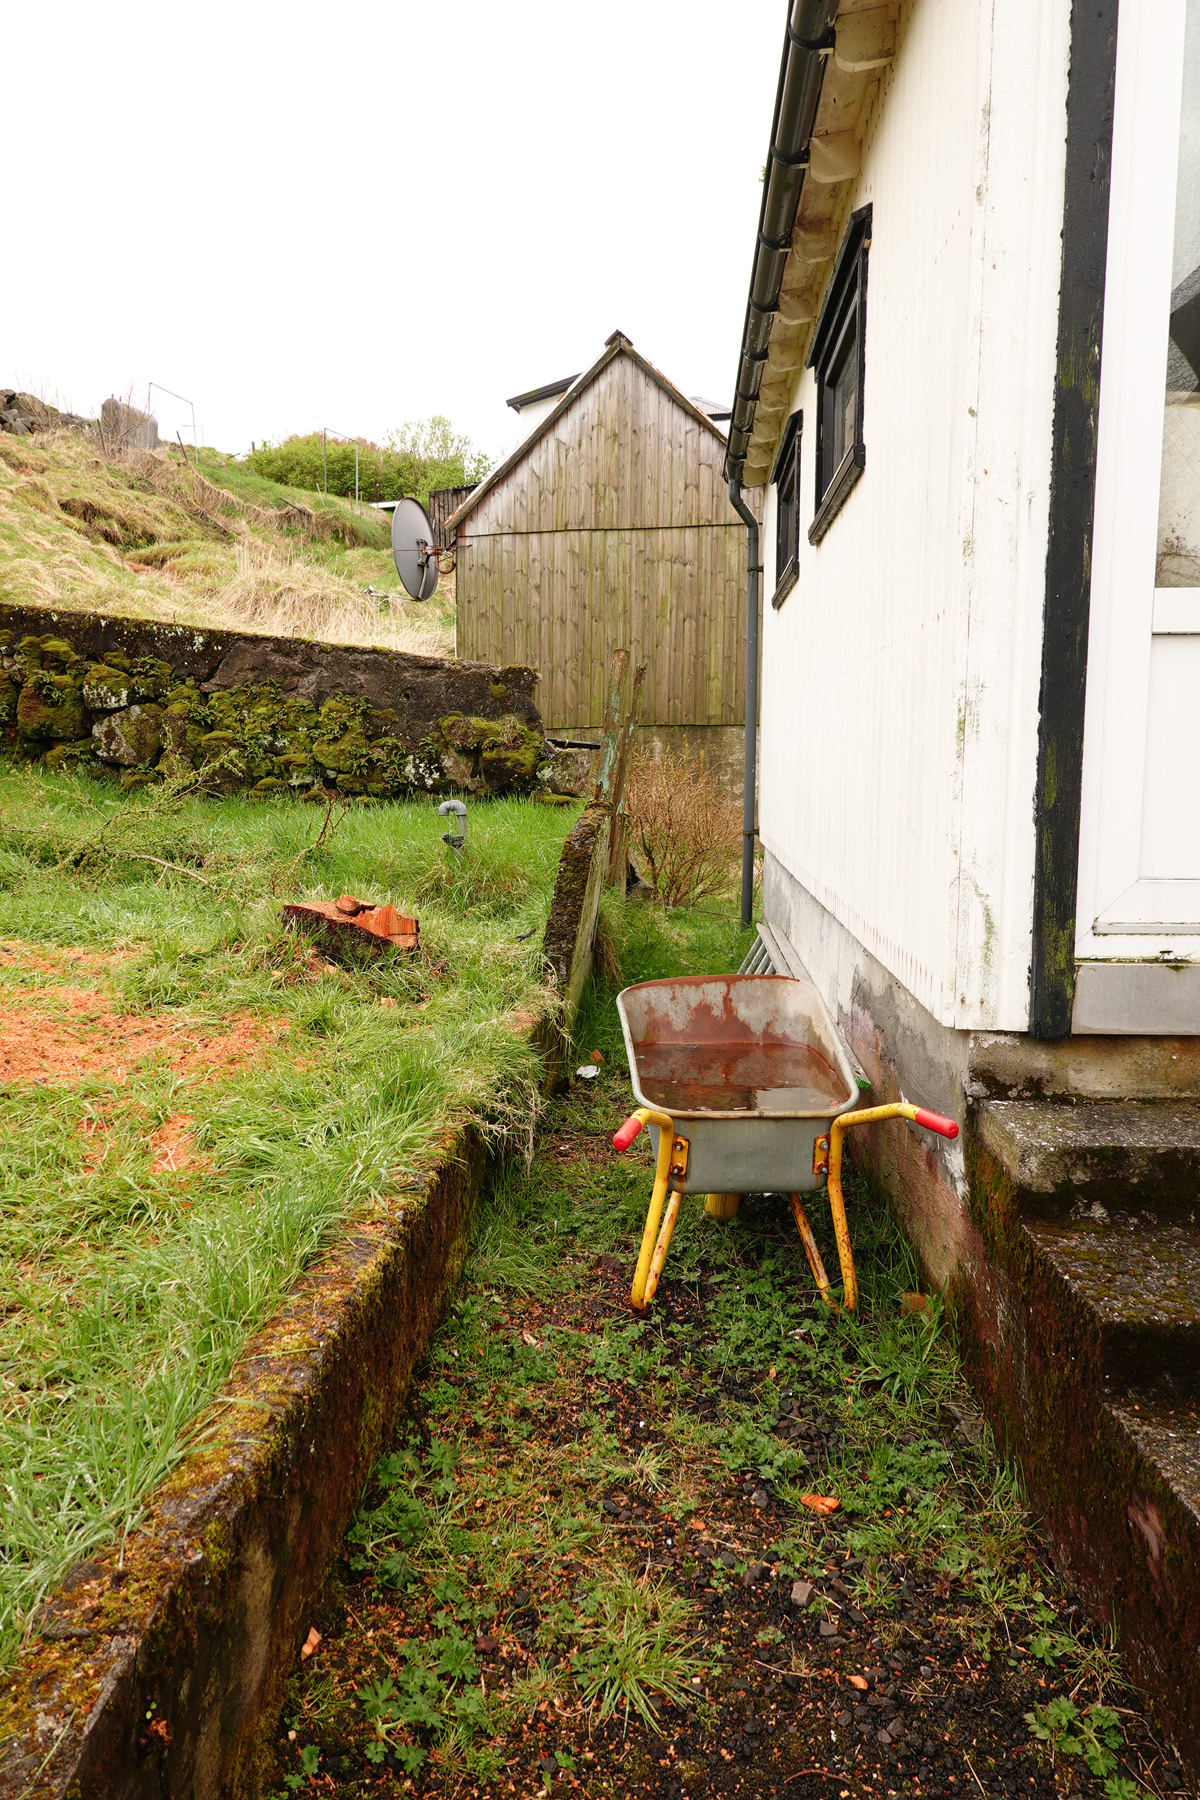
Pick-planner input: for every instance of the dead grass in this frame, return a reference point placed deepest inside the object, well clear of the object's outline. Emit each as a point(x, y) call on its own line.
point(284, 594)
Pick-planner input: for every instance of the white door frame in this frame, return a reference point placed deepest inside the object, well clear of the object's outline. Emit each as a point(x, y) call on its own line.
point(1121, 915)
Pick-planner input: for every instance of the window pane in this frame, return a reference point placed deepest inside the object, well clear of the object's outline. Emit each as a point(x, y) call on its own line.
point(1179, 495)
point(843, 401)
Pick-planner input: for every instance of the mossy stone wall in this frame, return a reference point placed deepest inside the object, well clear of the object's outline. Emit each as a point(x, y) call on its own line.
point(142, 701)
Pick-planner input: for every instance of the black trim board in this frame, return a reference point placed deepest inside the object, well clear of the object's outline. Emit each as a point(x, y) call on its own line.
point(1090, 86)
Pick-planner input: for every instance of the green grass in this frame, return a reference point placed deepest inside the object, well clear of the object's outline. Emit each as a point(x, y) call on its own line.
point(126, 1295)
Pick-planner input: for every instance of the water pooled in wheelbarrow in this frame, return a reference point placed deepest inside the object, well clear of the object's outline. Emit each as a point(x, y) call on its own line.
point(750, 1076)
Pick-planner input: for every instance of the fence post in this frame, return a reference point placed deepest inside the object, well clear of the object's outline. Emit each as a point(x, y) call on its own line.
point(619, 720)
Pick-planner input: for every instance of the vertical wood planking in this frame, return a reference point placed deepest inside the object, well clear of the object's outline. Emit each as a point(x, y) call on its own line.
point(613, 528)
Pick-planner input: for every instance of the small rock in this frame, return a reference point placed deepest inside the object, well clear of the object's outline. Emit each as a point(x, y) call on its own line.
point(760, 1497)
point(727, 1559)
point(828, 1628)
point(802, 1592)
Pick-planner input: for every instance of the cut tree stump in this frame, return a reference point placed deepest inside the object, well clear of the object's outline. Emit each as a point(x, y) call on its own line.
point(351, 930)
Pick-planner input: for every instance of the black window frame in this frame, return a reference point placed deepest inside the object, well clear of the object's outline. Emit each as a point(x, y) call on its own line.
point(844, 309)
point(785, 477)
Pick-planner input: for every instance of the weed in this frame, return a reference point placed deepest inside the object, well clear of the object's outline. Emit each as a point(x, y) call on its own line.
point(684, 829)
point(1094, 1734)
point(632, 1649)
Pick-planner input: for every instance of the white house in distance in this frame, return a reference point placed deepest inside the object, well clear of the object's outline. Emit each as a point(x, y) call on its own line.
point(969, 384)
point(539, 402)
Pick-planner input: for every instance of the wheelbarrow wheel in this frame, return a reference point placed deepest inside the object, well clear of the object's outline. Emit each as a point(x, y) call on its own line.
point(722, 1206)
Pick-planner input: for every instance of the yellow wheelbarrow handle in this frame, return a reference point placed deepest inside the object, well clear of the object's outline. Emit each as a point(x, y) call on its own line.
point(868, 1116)
point(672, 1159)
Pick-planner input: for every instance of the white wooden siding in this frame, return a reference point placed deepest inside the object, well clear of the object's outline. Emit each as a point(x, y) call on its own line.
point(901, 674)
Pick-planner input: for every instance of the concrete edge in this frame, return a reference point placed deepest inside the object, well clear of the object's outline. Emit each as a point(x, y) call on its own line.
point(164, 1673)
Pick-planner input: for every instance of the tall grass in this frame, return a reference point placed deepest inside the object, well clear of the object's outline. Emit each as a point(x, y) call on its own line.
point(127, 1295)
point(287, 595)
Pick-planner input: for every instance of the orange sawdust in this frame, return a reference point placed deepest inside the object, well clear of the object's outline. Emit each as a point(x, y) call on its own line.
point(174, 1147)
point(62, 1033)
point(75, 1043)
point(56, 959)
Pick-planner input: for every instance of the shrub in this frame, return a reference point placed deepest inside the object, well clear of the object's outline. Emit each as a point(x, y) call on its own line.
point(684, 829)
point(417, 458)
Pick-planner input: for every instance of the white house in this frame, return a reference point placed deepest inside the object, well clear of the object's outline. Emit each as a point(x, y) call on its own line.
point(539, 402)
point(969, 383)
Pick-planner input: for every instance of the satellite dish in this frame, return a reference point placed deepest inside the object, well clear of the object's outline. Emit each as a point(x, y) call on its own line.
point(413, 549)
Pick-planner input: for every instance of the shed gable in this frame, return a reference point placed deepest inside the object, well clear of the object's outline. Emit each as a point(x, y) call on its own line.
point(623, 454)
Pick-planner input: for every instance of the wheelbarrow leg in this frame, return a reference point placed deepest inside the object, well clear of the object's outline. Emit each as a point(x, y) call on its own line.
point(661, 1248)
point(812, 1252)
point(666, 1146)
point(837, 1207)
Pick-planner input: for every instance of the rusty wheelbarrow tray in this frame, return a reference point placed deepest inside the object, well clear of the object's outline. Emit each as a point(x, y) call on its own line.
point(746, 1087)
point(754, 1066)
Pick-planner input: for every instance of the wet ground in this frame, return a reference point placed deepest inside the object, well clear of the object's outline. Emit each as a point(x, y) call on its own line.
point(600, 1558)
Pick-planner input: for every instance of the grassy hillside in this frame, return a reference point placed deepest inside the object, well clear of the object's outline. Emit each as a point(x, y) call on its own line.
point(145, 534)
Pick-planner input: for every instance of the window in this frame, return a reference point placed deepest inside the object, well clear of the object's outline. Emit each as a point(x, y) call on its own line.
point(836, 354)
point(786, 477)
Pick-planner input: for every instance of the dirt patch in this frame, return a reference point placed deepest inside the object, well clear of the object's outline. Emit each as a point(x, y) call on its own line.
point(174, 1147)
point(90, 1038)
point(64, 1033)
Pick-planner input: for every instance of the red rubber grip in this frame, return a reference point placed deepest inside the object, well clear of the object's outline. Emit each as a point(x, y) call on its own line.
point(935, 1122)
point(629, 1130)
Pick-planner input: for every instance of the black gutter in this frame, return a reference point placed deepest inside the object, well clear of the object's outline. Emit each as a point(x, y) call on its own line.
point(1090, 84)
point(753, 576)
point(809, 40)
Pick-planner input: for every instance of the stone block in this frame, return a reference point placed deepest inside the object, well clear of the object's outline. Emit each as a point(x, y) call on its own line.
point(130, 738)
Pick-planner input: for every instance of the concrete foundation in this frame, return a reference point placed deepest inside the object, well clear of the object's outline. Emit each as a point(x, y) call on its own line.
point(1063, 1227)
point(721, 748)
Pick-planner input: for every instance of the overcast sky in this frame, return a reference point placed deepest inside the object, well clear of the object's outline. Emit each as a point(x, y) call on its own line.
point(355, 217)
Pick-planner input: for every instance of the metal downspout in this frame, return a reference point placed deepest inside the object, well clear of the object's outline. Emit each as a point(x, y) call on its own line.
point(753, 576)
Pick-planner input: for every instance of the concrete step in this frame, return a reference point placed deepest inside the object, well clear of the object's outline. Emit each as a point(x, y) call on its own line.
point(1138, 1285)
point(1167, 1437)
point(1088, 1358)
point(1099, 1158)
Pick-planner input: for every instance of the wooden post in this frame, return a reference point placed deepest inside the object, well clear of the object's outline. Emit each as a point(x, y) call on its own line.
point(619, 719)
point(618, 859)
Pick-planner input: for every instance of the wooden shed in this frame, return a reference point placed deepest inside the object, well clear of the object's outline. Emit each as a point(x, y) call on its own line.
point(610, 524)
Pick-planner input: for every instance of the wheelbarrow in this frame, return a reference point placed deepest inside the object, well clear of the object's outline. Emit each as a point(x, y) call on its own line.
point(746, 1088)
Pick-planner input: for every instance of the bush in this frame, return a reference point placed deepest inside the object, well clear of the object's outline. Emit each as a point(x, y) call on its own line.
point(415, 460)
point(684, 829)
